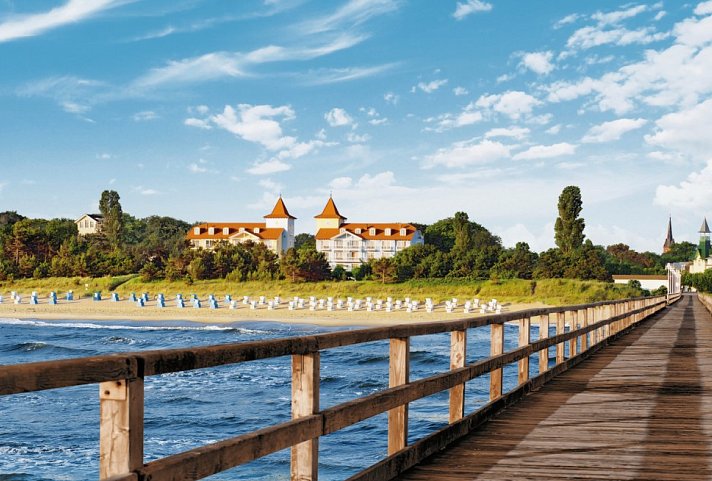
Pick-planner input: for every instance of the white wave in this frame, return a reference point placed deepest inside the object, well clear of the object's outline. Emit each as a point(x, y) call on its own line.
point(90, 325)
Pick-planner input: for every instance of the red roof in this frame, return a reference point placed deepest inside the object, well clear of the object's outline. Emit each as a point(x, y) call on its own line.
point(330, 211)
point(234, 229)
point(280, 211)
point(364, 231)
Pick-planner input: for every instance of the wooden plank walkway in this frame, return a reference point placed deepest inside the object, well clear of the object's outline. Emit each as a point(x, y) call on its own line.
point(640, 409)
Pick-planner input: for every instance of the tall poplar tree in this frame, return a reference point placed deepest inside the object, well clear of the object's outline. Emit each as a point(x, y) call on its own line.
point(568, 230)
point(110, 209)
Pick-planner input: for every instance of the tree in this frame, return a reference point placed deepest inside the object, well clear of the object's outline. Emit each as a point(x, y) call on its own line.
point(517, 263)
point(289, 265)
point(304, 239)
point(384, 269)
point(112, 222)
point(313, 265)
point(568, 230)
point(551, 265)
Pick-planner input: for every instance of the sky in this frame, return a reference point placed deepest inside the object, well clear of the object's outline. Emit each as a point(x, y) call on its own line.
point(404, 111)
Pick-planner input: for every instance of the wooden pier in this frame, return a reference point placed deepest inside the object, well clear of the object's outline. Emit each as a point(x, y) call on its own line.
point(632, 409)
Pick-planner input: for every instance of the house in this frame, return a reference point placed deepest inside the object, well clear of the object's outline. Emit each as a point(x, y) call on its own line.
point(89, 224)
point(703, 261)
point(277, 232)
point(351, 244)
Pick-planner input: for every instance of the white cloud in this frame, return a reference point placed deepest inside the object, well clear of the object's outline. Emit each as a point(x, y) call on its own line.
point(672, 158)
point(257, 123)
point(554, 129)
point(199, 123)
point(613, 130)
point(459, 91)
point(104, 156)
point(590, 37)
point(538, 62)
point(147, 191)
point(429, 87)
point(695, 192)
point(72, 12)
point(391, 98)
point(472, 152)
point(568, 19)
point(326, 76)
point(197, 169)
point(378, 121)
point(269, 167)
point(704, 8)
point(618, 16)
point(338, 117)
point(145, 116)
point(686, 131)
point(357, 139)
point(468, 116)
point(351, 14)
point(514, 104)
point(546, 151)
point(469, 7)
point(74, 95)
point(518, 133)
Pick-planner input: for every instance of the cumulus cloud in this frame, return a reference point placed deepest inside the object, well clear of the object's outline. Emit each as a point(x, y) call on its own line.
point(429, 87)
point(468, 116)
point(338, 117)
point(198, 123)
point(257, 123)
point(546, 151)
point(613, 130)
point(463, 9)
point(695, 192)
point(459, 91)
point(467, 153)
point(518, 133)
point(538, 62)
point(144, 116)
point(685, 131)
point(513, 104)
point(268, 167)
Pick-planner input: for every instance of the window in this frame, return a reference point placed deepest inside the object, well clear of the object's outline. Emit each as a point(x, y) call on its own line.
point(372, 231)
point(358, 231)
point(242, 229)
point(196, 230)
point(388, 231)
point(209, 243)
point(402, 231)
point(211, 230)
point(342, 230)
point(256, 230)
point(226, 231)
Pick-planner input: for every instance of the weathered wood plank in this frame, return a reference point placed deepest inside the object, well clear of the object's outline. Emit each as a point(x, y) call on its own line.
point(398, 374)
point(120, 427)
point(524, 340)
point(305, 403)
point(496, 348)
point(458, 357)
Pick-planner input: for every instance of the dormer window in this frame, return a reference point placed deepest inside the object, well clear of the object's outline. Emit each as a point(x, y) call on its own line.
point(372, 231)
point(196, 230)
point(402, 231)
point(256, 230)
point(358, 231)
point(342, 230)
point(388, 231)
point(242, 229)
point(226, 231)
point(211, 230)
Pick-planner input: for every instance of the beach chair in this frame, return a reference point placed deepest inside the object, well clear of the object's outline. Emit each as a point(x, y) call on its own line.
point(270, 305)
point(18, 299)
point(180, 304)
point(290, 306)
point(140, 302)
point(253, 305)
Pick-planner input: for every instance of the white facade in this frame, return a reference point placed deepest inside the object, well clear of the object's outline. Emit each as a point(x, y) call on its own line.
point(88, 224)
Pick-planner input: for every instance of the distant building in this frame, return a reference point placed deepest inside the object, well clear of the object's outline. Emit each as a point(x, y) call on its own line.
point(89, 224)
point(351, 244)
point(702, 261)
point(277, 232)
point(647, 281)
point(669, 240)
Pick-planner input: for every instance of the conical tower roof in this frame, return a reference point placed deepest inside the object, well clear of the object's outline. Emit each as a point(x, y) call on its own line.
point(669, 240)
point(330, 211)
point(280, 211)
point(705, 229)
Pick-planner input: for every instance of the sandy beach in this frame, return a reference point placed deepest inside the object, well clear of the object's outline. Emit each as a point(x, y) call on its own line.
point(88, 309)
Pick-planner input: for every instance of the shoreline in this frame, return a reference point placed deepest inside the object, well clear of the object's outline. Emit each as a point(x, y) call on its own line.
point(107, 310)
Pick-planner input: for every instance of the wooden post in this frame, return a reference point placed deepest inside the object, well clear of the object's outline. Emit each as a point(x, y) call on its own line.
point(560, 328)
point(121, 427)
point(585, 316)
point(496, 347)
point(398, 375)
point(458, 352)
point(305, 402)
point(524, 339)
point(543, 334)
point(573, 323)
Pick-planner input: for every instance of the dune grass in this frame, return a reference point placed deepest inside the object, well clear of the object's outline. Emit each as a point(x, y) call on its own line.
point(547, 291)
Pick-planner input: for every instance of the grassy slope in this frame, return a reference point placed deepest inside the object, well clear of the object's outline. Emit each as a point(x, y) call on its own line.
point(548, 291)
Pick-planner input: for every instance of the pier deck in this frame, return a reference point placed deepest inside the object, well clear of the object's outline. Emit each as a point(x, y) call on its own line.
point(639, 409)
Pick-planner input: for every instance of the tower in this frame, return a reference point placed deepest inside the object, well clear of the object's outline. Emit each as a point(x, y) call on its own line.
point(669, 240)
point(280, 218)
point(330, 218)
point(704, 249)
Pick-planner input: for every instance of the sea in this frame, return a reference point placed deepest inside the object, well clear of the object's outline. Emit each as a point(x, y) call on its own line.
point(54, 435)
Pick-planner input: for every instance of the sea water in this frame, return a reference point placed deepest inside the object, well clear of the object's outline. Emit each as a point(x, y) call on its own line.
point(54, 434)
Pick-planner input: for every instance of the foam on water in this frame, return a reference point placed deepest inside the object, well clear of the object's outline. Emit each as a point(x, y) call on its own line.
point(90, 325)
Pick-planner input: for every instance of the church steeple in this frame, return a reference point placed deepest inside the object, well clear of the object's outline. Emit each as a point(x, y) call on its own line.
point(669, 240)
point(705, 249)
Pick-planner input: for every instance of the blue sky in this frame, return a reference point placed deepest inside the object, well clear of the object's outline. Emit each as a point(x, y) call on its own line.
point(405, 110)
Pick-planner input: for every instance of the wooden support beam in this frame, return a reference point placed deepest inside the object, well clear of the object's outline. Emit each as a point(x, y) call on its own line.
point(458, 354)
point(496, 347)
point(121, 427)
point(398, 374)
point(524, 339)
point(573, 323)
point(305, 402)
point(543, 334)
point(560, 329)
point(585, 316)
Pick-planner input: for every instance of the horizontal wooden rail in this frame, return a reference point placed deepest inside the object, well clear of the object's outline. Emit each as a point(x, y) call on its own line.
point(121, 378)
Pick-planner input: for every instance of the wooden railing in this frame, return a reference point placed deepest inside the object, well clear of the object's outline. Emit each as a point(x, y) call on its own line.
point(121, 395)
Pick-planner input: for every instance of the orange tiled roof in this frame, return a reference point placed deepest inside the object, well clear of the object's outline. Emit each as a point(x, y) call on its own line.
point(233, 229)
point(280, 211)
point(365, 231)
point(330, 211)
